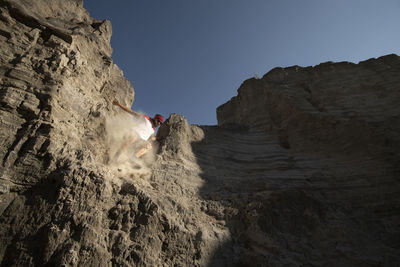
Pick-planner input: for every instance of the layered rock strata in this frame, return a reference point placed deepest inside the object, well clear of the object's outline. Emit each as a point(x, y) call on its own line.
point(301, 171)
point(314, 155)
point(334, 107)
point(57, 83)
point(62, 203)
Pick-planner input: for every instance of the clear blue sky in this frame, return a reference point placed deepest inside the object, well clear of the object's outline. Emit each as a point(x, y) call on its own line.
point(190, 56)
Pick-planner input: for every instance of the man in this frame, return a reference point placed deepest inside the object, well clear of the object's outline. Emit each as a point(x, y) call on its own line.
point(144, 131)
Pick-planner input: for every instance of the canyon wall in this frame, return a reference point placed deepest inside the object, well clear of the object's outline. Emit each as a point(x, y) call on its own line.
point(332, 106)
point(302, 169)
point(319, 149)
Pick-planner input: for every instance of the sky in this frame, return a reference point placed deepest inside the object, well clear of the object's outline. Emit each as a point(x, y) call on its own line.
point(191, 56)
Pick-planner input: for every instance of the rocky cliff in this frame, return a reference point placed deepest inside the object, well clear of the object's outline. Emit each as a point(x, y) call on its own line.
point(318, 150)
point(302, 169)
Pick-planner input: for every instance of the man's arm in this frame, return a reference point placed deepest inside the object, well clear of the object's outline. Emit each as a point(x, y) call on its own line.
point(115, 102)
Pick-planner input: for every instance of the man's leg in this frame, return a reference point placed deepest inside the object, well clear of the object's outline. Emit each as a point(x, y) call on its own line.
point(132, 139)
point(146, 147)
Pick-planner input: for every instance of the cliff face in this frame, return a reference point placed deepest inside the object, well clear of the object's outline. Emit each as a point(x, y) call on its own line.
point(314, 154)
point(301, 170)
point(61, 201)
point(333, 106)
point(57, 80)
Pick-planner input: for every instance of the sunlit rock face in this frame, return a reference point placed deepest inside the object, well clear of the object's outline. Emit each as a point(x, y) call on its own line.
point(62, 201)
point(57, 82)
point(302, 169)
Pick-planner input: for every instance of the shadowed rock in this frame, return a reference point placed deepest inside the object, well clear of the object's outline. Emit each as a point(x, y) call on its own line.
point(302, 169)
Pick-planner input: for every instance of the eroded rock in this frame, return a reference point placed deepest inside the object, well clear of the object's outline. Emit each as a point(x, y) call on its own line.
point(301, 171)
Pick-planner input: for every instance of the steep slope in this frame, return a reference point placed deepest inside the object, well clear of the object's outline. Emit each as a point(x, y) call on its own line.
point(283, 181)
point(302, 169)
point(331, 107)
point(314, 163)
point(288, 209)
point(272, 206)
point(61, 201)
point(57, 82)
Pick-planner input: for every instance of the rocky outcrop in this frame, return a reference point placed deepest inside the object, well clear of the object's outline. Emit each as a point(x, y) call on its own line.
point(301, 171)
point(313, 152)
point(57, 82)
point(335, 107)
point(61, 201)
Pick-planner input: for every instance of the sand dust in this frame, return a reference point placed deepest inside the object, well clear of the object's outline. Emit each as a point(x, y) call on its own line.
point(119, 129)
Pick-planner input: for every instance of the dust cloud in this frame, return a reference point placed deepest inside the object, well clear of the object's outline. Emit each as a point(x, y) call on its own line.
point(119, 130)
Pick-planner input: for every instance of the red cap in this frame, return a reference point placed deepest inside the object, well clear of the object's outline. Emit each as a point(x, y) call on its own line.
point(159, 117)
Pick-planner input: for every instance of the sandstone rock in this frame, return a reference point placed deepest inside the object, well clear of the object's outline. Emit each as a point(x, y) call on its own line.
point(61, 204)
point(57, 83)
point(337, 107)
point(314, 154)
point(301, 171)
